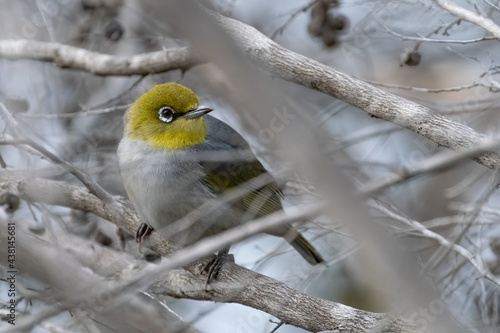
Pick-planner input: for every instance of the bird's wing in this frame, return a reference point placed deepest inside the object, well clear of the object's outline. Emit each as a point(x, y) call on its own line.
point(220, 132)
point(237, 166)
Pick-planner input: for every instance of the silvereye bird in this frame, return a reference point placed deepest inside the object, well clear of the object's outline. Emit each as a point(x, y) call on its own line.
point(173, 158)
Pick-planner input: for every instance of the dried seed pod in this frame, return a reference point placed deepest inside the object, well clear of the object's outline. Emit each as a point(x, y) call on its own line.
point(329, 37)
point(336, 22)
point(318, 16)
point(113, 30)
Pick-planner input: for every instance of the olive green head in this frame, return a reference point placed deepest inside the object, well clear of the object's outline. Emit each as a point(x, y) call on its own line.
point(168, 117)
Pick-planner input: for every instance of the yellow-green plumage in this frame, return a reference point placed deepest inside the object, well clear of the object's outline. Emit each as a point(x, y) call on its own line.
point(166, 173)
point(143, 125)
point(260, 202)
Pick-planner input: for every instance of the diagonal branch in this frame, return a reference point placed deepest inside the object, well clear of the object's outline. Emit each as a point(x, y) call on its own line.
point(438, 162)
point(278, 61)
point(469, 16)
point(378, 103)
point(74, 287)
point(236, 284)
point(474, 260)
point(86, 179)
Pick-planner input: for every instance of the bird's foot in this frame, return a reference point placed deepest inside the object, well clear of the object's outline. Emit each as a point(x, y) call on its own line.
point(215, 265)
point(143, 233)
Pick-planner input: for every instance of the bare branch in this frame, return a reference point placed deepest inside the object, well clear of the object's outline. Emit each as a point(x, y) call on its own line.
point(472, 259)
point(441, 161)
point(73, 287)
point(85, 178)
point(237, 284)
point(433, 40)
point(492, 5)
point(76, 114)
point(299, 69)
point(289, 305)
point(62, 194)
point(66, 56)
point(437, 90)
point(282, 28)
point(469, 16)
point(279, 62)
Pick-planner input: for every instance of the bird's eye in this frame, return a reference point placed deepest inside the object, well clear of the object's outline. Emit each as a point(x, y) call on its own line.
point(166, 114)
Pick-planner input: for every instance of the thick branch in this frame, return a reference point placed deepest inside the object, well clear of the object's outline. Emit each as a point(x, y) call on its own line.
point(378, 103)
point(75, 288)
point(281, 63)
point(236, 284)
point(62, 194)
point(66, 56)
point(283, 302)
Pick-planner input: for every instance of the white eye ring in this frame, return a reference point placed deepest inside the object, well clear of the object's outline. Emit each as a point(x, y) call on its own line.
point(166, 114)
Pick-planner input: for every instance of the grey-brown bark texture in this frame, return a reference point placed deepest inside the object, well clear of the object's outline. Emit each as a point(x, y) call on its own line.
point(236, 284)
point(281, 63)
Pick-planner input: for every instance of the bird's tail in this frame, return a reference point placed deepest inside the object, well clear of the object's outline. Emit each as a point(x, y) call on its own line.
point(306, 250)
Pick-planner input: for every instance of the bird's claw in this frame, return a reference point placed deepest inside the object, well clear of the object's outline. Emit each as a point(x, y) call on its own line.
point(143, 233)
point(214, 267)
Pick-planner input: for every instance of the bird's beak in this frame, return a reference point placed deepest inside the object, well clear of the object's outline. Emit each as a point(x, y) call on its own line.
point(197, 112)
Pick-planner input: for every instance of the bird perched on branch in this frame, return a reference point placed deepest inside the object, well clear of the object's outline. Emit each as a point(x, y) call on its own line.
point(174, 160)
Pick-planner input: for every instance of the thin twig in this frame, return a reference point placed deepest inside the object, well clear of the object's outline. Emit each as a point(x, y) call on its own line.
point(66, 56)
point(472, 259)
point(281, 63)
point(432, 40)
point(86, 179)
point(469, 16)
point(75, 114)
point(441, 161)
point(437, 90)
point(291, 18)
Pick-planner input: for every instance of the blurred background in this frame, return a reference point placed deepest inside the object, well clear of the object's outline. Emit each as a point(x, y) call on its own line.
point(78, 116)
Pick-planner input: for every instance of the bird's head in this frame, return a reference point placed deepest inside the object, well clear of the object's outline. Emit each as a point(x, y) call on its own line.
point(168, 117)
